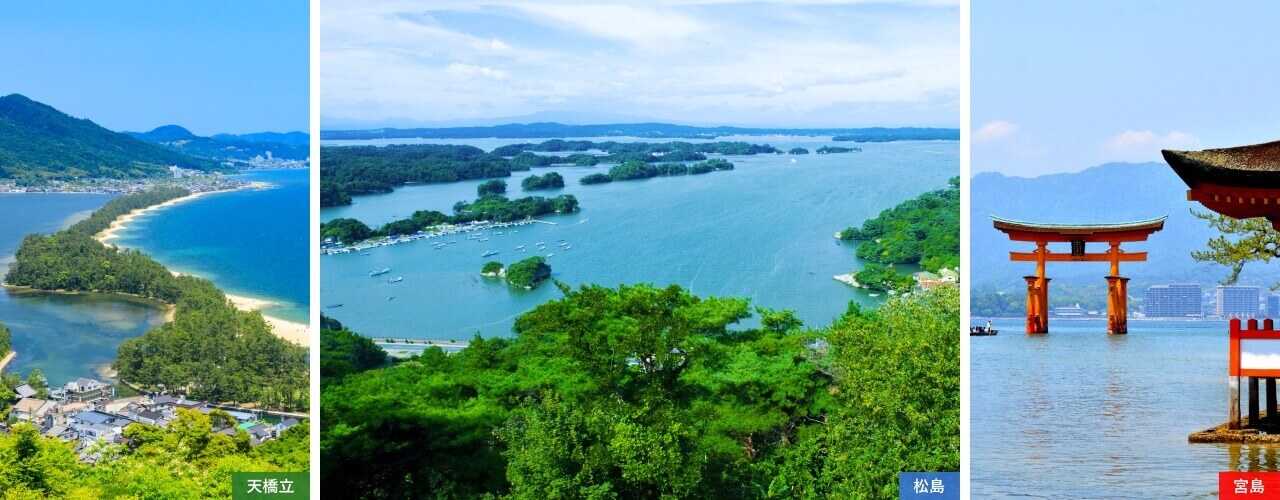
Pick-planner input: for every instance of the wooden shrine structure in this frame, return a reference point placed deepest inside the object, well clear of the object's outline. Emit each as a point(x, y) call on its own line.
point(1242, 183)
point(1078, 235)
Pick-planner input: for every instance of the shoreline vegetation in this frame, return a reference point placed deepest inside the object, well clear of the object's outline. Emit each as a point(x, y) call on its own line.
point(488, 210)
point(347, 171)
point(642, 392)
point(924, 230)
point(258, 367)
point(292, 331)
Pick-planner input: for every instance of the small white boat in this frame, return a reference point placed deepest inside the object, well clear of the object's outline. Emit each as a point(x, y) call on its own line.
point(396, 279)
point(551, 255)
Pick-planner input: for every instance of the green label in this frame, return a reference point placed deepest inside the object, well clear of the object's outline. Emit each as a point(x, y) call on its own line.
point(248, 485)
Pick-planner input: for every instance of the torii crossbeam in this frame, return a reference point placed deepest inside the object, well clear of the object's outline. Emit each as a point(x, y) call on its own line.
point(1078, 235)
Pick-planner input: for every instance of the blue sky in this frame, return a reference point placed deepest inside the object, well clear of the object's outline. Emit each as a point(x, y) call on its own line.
point(212, 67)
point(818, 63)
point(1063, 86)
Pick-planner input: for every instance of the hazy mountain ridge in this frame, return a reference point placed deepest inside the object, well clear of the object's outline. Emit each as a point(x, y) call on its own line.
point(647, 130)
point(229, 147)
point(1113, 192)
point(39, 143)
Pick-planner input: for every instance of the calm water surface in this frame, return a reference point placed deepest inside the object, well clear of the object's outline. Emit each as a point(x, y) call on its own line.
point(249, 242)
point(64, 336)
point(763, 230)
point(1085, 415)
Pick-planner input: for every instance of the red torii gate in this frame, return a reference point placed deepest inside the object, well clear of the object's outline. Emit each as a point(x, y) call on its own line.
point(1078, 235)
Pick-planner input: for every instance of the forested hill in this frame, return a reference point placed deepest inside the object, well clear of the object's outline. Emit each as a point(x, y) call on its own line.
point(647, 130)
point(40, 143)
point(227, 147)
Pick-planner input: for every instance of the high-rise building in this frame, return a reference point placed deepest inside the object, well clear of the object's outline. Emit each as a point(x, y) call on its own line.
point(1172, 301)
point(1273, 305)
point(1237, 301)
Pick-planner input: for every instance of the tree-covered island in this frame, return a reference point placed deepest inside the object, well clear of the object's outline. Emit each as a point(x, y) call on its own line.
point(551, 180)
point(924, 230)
point(346, 171)
point(529, 272)
point(490, 208)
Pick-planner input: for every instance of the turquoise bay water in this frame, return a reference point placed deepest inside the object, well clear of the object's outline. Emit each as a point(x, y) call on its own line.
point(64, 336)
point(1080, 414)
point(763, 231)
point(250, 242)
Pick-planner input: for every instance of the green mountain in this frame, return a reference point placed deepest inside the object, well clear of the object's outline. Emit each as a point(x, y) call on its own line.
point(39, 143)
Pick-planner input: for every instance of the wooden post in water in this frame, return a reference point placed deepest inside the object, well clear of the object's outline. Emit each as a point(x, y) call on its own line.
point(1271, 398)
point(1253, 401)
point(1233, 405)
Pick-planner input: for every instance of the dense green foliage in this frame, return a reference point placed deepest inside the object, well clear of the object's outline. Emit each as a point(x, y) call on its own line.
point(1239, 242)
point(493, 187)
point(877, 276)
point(836, 149)
point(529, 272)
point(184, 460)
point(343, 353)
point(640, 170)
point(493, 208)
point(6, 341)
point(492, 267)
point(39, 144)
point(596, 178)
point(924, 230)
point(211, 350)
point(353, 170)
point(551, 180)
point(644, 392)
point(798, 151)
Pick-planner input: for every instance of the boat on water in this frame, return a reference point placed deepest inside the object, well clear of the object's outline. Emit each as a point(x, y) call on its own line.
point(551, 255)
point(484, 239)
point(793, 160)
point(521, 247)
point(566, 247)
point(331, 306)
point(378, 272)
point(391, 297)
point(982, 331)
point(367, 253)
point(490, 252)
point(874, 294)
point(396, 279)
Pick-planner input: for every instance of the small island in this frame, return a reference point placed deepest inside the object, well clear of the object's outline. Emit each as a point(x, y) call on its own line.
point(551, 180)
point(527, 273)
point(837, 149)
point(496, 186)
point(924, 230)
point(492, 269)
point(798, 151)
point(641, 170)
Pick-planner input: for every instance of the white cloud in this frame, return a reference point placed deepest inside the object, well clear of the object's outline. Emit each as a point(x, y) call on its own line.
point(468, 71)
point(775, 64)
point(994, 130)
point(1144, 145)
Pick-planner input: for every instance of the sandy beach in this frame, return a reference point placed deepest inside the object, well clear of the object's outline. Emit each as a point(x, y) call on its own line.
point(8, 357)
point(113, 231)
point(289, 330)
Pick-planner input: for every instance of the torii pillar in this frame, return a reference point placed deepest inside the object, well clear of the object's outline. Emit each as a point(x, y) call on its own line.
point(1078, 235)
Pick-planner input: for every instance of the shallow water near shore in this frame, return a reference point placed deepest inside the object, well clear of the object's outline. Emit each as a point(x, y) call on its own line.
point(1084, 414)
point(65, 336)
point(762, 231)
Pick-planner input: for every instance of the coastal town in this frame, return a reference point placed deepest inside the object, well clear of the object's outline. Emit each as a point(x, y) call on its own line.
point(191, 180)
point(87, 413)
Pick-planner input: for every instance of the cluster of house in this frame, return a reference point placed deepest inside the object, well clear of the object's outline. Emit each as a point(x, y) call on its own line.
point(944, 276)
point(86, 412)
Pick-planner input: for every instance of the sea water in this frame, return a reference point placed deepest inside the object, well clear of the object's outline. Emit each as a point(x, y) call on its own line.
point(64, 336)
point(763, 231)
point(249, 242)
